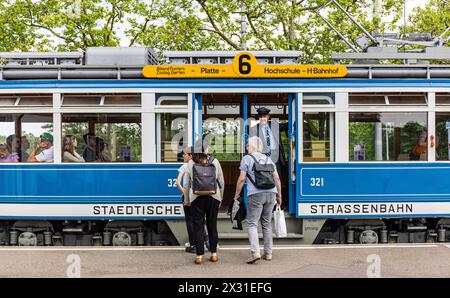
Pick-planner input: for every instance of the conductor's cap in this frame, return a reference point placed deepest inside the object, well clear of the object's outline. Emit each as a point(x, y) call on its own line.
point(263, 111)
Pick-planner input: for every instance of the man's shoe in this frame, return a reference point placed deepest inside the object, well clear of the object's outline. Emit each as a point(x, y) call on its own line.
point(190, 249)
point(214, 258)
point(255, 257)
point(267, 256)
point(198, 260)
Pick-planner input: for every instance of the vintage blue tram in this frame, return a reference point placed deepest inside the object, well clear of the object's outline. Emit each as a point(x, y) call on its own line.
point(367, 155)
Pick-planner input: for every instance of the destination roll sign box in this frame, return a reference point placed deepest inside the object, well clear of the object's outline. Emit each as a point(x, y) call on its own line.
point(244, 66)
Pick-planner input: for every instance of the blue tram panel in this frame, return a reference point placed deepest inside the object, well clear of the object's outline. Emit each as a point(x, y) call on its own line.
point(375, 190)
point(90, 191)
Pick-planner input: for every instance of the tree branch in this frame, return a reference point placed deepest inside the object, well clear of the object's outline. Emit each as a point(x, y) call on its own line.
point(135, 37)
point(32, 24)
point(88, 32)
point(313, 51)
point(216, 28)
point(314, 7)
point(257, 34)
point(110, 24)
point(144, 27)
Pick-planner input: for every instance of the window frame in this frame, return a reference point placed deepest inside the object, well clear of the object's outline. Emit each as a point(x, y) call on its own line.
point(387, 103)
point(154, 117)
point(318, 108)
point(429, 109)
point(61, 115)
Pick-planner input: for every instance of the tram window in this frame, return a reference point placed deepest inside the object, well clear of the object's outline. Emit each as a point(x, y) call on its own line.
point(120, 100)
point(21, 134)
point(442, 99)
point(37, 100)
point(318, 98)
point(441, 141)
point(171, 99)
point(80, 100)
point(387, 99)
point(318, 137)
point(105, 137)
point(46, 100)
point(274, 109)
point(408, 99)
point(7, 101)
point(221, 109)
point(224, 136)
point(172, 136)
point(366, 99)
point(387, 136)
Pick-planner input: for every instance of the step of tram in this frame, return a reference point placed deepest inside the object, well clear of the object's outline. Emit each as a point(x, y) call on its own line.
point(244, 235)
point(228, 235)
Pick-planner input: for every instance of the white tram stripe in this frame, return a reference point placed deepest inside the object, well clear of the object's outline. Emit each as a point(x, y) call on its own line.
point(235, 247)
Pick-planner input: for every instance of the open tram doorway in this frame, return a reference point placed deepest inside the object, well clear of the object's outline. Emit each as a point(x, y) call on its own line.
point(226, 121)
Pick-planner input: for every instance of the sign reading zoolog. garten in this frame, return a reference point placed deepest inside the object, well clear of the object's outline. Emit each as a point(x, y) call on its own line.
point(244, 66)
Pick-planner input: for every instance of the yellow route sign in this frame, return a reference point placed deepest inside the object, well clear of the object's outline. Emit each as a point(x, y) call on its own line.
point(244, 66)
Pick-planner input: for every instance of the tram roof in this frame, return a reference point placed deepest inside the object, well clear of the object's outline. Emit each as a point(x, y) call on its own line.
point(225, 85)
point(126, 64)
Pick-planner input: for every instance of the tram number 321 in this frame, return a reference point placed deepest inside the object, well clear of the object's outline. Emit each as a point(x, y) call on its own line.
point(316, 182)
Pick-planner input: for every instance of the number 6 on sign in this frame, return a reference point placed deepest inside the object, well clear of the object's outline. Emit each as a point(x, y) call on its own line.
point(243, 64)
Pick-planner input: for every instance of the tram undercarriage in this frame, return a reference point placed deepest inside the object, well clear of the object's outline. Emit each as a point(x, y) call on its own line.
point(172, 233)
point(85, 233)
point(373, 231)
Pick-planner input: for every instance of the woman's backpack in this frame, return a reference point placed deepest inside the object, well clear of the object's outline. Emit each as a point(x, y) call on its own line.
point(263, 174)
point(204, 180)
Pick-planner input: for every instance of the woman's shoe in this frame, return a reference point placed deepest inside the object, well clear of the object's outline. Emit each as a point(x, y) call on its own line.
point(255, 257)
point(214, 258)
point(198, 260)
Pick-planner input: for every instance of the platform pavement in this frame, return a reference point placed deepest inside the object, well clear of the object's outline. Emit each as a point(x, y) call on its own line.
point(393, 260)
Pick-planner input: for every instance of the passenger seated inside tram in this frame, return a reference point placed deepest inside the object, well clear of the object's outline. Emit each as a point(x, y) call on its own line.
point(89, 153)
point(421, 146)
point(308, 130)
point(102, 156)
point(13, 145)
point(6, 156)
point(44, 150)
point(24, 146)
point(70, 150)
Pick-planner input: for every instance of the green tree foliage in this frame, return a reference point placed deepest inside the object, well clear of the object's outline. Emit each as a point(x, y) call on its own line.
point(188, 24)
point(272, 25)
point(434, 18)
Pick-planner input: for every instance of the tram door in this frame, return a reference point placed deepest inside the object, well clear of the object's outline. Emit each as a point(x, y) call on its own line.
point(224, 120)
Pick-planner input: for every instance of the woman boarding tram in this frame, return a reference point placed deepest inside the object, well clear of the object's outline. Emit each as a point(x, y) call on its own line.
point(202, 201)
point(260, 200)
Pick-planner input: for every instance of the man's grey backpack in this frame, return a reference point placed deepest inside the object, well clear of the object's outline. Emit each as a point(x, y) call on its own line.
point(204, 180)
point(263, 174)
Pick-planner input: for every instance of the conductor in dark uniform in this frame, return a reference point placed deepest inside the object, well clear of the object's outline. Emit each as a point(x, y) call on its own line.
point(270, 134)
